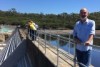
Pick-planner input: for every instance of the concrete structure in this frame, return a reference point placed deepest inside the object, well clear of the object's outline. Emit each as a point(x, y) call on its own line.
point(21, 51)
point(2, 37)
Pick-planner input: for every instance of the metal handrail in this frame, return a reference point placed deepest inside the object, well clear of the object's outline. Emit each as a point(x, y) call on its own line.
point(58, 51)
point(11, 44)
point(58, 37)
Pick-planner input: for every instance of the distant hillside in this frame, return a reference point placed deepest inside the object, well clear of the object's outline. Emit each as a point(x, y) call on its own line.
point(49, 21)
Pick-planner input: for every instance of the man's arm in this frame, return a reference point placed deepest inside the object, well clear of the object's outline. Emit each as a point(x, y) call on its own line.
point(92, 33)
point(89, 40)
point(77, 40)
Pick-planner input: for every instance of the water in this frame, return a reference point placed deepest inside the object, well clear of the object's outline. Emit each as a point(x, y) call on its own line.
point(95, 52)
point(5, 29)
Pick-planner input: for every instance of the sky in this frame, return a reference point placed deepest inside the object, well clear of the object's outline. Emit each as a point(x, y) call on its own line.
point(50, 6)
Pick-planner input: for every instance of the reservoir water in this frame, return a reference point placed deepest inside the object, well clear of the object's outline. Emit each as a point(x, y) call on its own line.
point(5, 29)
point(95, 52)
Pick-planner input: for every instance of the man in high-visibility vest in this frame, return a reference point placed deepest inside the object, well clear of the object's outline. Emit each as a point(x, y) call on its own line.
point(33, 29)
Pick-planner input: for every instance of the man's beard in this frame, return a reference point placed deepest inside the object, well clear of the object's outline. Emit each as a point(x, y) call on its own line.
point(83, 18)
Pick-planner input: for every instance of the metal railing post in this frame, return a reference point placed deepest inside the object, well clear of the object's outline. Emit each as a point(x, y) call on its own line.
point(69, 44)
point(33, 35)
point(38, 38)
point(49, 37)
point(74, 55)
point(29, 33)
point(58, 39)
point(74, 52)
point(45, 41)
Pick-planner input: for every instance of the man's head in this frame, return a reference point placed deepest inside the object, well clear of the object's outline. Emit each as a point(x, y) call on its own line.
point(84, 14)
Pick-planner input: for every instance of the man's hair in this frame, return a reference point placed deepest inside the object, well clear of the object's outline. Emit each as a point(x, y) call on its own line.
point(83, 9)
point(30, 21)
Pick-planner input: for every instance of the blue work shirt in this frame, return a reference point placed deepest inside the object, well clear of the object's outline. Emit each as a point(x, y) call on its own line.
point(83, 31)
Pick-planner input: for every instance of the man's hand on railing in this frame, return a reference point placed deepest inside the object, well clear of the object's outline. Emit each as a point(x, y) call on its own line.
point(87, 43)
point(77, 41)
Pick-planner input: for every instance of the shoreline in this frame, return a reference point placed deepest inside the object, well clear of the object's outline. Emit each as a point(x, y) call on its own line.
point(63, 31)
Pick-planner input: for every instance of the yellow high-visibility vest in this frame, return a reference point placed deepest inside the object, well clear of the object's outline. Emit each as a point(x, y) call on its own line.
point(32, 26)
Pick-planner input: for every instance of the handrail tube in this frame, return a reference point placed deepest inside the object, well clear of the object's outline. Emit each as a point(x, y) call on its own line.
point(10, 47)
point(71, 41)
